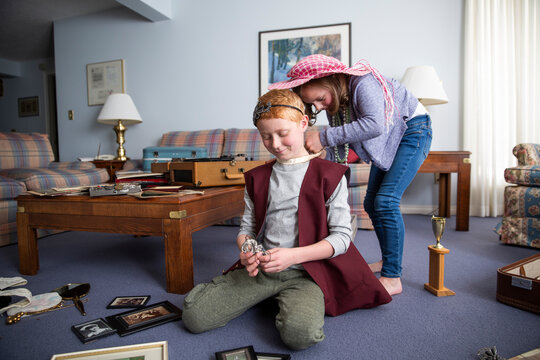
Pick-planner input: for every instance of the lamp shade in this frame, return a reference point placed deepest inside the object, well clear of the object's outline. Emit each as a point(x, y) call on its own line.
point(119, 107)
point(425, 85)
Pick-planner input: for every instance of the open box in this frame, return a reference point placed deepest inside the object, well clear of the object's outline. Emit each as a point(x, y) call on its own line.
point(518, 284)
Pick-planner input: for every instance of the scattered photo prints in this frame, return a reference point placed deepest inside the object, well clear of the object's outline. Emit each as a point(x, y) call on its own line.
point(120, 302)
point(152, 315)
point(245, 353)
point(92, 330)
point(270, 356)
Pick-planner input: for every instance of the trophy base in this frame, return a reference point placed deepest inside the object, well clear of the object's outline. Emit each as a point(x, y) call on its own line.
point(439, 292)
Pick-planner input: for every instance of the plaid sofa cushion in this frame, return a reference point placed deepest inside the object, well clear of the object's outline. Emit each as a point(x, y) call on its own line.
point(527, 154)
point(212, 140)
point(245, 141)
point(75, 165)
point(10, 188)
point(523, 175)
point(21, 150)
point(38, 179)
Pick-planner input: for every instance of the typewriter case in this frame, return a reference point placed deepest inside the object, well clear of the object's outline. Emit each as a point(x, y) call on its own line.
point(518, 284)
point(211, 171)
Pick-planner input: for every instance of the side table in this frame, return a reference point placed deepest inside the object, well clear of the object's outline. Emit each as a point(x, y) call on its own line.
point(112, 166)
point(445, 163)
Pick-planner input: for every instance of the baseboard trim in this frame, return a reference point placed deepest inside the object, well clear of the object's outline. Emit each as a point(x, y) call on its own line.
point(423, 209)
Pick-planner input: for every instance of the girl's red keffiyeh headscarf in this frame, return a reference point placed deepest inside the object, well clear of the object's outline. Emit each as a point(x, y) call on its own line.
point(318, 66)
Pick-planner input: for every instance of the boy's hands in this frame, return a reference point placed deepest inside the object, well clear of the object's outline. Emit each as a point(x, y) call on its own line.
point(250, 262)
point(278, 259)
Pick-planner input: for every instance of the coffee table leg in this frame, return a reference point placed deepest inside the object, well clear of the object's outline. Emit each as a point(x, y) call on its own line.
point(27, 243)
point(178, 255)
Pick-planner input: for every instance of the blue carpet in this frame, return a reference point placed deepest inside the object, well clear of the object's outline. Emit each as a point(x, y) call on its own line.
point(415, 325)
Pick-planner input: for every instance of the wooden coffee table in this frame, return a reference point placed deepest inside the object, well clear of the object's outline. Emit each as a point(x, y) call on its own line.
point(174, 218)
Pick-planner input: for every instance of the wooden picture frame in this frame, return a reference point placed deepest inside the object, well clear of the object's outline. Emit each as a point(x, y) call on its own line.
point(129, 322)
point(243, 353)
point(103, 79)
point(122, 302)
point(92, 330)
point(28, 106)
point(148, 351)
point(272, 356)
point(279, 50)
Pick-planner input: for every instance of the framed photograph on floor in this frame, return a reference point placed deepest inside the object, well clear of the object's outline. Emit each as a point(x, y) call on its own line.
point(28, 106)
point(244, 353)
point(149, 316)
point(147, 351)
point(103, 79)
point(122, 302)
point(92, 330)
point(279, 50)
point(270, 356)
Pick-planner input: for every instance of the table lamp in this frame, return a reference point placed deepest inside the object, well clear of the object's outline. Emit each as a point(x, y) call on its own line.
point(119, 110)
point(425, 85)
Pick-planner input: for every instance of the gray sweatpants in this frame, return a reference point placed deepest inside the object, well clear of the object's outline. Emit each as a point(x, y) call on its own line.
point(301, 303)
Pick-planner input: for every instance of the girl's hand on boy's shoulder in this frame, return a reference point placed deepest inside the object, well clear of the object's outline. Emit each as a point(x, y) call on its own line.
point(277, 259)
point(250, 262)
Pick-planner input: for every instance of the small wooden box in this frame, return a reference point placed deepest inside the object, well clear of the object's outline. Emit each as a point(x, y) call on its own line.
point(210, 173)
point(518, 284)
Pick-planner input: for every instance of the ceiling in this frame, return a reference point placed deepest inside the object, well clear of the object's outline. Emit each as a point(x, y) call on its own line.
point(26, 26)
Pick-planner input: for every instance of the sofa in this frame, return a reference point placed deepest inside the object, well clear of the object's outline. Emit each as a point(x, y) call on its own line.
point(27, 163)
point(520, 223)
point(219, 142)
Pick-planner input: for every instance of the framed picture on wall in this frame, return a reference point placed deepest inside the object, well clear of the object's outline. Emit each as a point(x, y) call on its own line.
point(104, 78)
point(28, 106)
point(279, 50)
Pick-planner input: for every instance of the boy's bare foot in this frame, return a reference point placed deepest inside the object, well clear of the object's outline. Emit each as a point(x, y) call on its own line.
point(376, 267)
point(392, 285)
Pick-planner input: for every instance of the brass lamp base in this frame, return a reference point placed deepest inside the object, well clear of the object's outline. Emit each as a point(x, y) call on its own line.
point(436, 272)
point(120, 129)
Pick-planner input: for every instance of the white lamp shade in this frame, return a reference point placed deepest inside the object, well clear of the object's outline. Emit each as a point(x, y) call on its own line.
point(425, 85)
point(119, 107)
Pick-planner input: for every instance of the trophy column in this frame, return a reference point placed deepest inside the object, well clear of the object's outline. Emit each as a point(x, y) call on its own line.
point(436, 272)
point(436, 260)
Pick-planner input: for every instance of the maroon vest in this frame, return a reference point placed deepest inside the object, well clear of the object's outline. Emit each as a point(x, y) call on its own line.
point(346, 280)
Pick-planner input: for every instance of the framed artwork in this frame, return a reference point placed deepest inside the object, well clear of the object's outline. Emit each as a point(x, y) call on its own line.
point(92, 330)
point(103, 79)
point(244, 353)
point(147, 351)
point(28, 106)
point(279, 50)
point(149, 316)
point(120, 302)
point(270, 356)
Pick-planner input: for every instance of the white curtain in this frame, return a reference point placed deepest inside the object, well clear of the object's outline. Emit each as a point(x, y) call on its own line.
point(501, 92)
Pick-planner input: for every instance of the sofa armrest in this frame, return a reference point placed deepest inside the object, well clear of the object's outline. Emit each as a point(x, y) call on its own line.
point(73, 165)
point(527, 154)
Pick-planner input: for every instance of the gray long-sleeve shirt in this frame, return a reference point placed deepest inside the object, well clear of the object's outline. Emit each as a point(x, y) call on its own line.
point(281, 222)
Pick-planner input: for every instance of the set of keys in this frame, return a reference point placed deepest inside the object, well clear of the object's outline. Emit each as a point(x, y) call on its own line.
point(251, 245)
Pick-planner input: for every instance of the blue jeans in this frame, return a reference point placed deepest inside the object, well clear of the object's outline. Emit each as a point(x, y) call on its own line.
point(385, 189)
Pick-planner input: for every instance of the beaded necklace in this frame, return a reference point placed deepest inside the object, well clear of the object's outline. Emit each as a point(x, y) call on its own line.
point(339, 119)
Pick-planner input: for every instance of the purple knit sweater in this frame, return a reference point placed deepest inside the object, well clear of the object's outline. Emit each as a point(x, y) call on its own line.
point(367, 133)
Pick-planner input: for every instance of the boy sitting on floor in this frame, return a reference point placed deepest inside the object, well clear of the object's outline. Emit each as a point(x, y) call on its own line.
point(297, 207)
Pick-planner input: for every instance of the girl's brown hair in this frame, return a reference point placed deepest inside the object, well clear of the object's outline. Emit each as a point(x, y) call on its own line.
point(337, 84)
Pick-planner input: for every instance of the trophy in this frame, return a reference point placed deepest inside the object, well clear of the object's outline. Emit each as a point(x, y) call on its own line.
point(437, 223)
point(436, 260)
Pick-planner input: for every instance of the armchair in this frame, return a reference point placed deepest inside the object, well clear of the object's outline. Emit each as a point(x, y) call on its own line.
point(521, 220)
